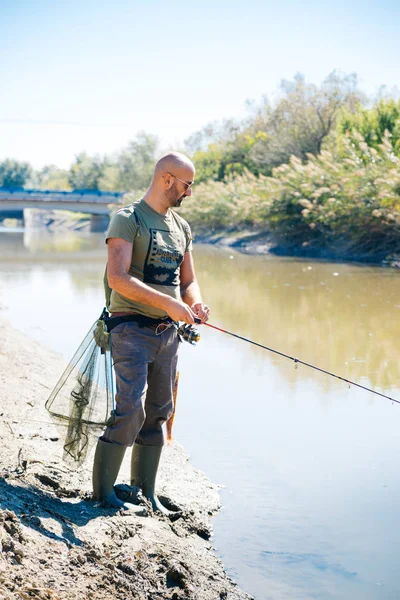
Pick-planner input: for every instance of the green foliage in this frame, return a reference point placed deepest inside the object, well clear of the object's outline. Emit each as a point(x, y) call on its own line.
point(221, 149)
point(351, 205)
point(301, 120)
point(373, 123)
point(297, 124)
point(51, 178)
point(318, 171)
point(131, 170)
point(239, 201)
point(14, 174)
point(217, 163)
point(344, 206)
point(135, 164)
point(86, 172)
point(208, 163)
point(109, 181)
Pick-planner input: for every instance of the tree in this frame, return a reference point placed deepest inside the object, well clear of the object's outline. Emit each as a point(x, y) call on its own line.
point(220, 149)
point(297, 124)
point(86, 172)
point(135, 164)
point(51, 177)
point(110, 178)
point(14, 174)
point(302, 119)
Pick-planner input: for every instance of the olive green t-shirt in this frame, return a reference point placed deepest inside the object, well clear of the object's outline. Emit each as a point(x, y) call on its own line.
point(159, 245)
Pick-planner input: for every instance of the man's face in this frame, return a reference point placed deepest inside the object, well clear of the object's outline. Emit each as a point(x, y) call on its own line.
point(175, 195)
point(181, 187)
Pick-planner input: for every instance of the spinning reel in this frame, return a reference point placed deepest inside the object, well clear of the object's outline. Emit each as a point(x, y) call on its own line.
point(189, 333)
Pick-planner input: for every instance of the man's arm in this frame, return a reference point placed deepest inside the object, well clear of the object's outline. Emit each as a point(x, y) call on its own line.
point(190, 290)
point(119, 260)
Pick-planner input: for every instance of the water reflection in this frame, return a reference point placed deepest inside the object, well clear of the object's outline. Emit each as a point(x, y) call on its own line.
point(43, 242)
point(34, 244)
point(343, 318)
point(340, 317)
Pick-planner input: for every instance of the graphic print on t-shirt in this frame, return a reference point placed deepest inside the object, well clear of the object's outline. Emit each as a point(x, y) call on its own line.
point(163, 260)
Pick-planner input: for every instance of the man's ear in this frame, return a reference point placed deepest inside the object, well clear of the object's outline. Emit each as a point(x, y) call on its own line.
point(168, 180)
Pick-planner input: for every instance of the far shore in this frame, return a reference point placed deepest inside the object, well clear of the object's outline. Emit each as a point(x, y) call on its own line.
point(264, 242)
point(257, 242)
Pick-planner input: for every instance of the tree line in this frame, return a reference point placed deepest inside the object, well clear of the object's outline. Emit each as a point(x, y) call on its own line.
point(304, 119)
point(318, 171)
point(128, 170)
point(318, 167)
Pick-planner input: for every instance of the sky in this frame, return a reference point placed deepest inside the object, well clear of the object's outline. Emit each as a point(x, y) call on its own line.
point(89, 75)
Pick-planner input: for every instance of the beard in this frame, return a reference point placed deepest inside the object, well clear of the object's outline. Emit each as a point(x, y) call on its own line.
point(174, 197)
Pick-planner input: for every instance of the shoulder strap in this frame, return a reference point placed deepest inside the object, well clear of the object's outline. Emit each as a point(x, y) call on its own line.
point(107, 289)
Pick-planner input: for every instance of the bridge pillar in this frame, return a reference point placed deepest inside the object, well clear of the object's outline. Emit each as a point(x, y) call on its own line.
point(99, 223)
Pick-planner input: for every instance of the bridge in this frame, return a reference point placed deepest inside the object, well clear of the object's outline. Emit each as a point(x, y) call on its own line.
point(13, 202)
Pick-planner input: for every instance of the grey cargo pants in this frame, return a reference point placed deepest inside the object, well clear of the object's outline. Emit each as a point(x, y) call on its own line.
point(145, 369)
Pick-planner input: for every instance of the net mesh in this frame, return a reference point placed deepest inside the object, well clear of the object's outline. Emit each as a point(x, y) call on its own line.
point(83, 397)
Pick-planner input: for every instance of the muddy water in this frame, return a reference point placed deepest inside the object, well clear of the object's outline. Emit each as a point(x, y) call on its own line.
point(309, 465)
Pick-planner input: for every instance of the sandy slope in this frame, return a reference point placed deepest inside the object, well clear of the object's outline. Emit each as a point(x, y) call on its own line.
point(57, 543)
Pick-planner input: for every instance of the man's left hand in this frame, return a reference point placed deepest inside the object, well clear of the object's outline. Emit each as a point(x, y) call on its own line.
point(201, 311)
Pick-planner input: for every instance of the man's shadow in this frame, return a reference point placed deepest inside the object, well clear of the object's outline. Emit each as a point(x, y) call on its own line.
point(33, 506)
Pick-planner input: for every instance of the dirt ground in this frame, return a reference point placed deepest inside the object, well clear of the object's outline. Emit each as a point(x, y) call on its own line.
point(56, 543)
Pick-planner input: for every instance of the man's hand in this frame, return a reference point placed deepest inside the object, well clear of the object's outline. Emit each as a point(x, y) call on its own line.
point(201, 311)
point(179, 311)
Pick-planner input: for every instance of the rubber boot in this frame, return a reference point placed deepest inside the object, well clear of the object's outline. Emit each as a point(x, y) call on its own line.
point(144, 467)
point(107, 462)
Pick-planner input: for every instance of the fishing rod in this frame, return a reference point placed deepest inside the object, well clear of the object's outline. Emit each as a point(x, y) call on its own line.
point(297, 361)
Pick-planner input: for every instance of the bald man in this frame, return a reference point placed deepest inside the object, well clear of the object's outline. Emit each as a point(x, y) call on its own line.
point(150, 282)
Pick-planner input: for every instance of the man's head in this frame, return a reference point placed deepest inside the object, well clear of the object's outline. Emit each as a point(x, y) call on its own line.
point(173, 177)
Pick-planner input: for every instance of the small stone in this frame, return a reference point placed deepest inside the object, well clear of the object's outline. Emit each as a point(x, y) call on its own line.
point(18, 550)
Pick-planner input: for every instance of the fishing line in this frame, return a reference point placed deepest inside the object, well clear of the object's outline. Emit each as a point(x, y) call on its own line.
point(297, 361)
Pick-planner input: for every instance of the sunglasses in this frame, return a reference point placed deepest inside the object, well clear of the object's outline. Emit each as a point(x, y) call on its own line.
point(187, 183)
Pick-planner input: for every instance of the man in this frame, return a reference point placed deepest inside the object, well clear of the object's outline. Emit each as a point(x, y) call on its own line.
point(149, 278)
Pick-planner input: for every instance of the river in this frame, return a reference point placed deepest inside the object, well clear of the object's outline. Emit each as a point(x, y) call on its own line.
point(308, 464)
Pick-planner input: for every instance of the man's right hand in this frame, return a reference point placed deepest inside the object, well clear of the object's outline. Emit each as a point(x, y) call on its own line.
point(179, 311)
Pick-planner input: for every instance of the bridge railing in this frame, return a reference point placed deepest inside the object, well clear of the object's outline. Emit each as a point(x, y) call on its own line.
point(96, 196)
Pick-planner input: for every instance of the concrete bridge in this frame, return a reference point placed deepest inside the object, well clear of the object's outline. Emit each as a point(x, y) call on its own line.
point(13, 202)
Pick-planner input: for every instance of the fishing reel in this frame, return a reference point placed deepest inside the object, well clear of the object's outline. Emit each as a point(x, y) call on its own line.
point(189, 333)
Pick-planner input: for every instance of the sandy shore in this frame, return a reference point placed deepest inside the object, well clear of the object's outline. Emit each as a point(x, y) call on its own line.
point(56, 543)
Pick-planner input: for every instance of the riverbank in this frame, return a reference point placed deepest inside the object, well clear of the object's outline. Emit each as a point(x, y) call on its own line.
point(260, 239)
point(342, 204)
point(247, 241)
point(56, 542)
point(265, 242)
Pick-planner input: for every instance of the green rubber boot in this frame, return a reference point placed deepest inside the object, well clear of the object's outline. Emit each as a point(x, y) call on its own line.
point(144, 467)
point(107, 462)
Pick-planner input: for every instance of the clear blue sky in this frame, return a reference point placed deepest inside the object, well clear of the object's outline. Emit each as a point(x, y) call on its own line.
point(110, 69)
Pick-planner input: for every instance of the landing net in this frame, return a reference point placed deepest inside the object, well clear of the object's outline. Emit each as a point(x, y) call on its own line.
point(83, 397)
